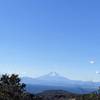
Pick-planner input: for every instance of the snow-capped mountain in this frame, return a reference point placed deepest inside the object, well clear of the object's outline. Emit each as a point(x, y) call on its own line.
point(53, 76)
point(53, 80)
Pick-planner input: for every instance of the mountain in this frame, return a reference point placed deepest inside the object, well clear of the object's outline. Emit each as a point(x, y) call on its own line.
point(54, 81)
point(52, 76)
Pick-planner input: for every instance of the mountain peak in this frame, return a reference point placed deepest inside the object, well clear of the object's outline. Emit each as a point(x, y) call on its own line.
point(53, 74)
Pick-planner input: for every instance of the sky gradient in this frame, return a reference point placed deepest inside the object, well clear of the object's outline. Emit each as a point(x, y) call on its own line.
point(42, 36)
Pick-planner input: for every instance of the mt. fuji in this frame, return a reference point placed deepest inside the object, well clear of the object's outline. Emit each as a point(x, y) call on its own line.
point(51, 78)
point(54, 81)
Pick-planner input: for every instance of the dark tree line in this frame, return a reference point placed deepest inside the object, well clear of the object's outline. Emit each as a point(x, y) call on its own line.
point(12, 89)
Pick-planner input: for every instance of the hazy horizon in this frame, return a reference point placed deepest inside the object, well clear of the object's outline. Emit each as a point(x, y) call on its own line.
point(42, 36)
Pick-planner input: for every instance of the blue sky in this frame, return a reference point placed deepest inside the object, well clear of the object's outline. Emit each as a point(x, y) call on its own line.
point(40, 36)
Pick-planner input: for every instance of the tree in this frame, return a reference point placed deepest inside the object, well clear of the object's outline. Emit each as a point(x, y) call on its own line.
point(12, 89)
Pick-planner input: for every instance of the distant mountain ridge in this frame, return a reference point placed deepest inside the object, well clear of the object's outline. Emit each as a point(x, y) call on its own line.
point(55, 81)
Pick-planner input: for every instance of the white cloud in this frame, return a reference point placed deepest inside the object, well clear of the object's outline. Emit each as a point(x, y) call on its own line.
point(97, 72)
point(92, 62)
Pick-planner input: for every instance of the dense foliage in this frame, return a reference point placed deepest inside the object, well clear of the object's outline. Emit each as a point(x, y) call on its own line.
point(12, 89)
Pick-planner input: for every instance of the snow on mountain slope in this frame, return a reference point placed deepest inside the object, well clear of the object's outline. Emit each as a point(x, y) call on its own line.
point(53, 80)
